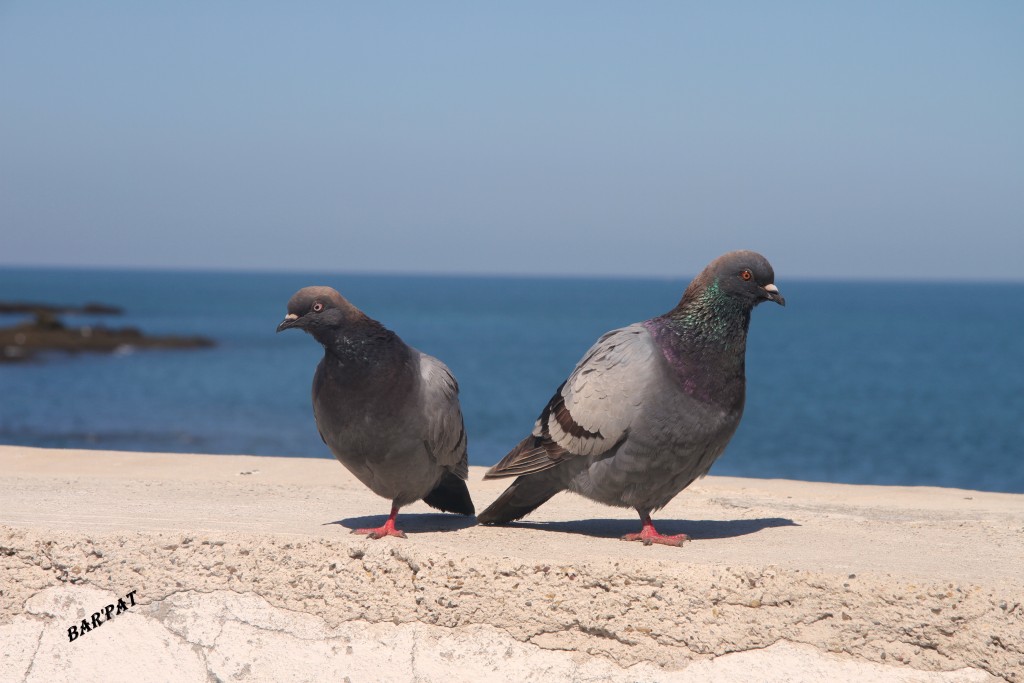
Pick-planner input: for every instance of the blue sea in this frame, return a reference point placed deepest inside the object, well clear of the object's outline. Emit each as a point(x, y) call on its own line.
point(855, 382)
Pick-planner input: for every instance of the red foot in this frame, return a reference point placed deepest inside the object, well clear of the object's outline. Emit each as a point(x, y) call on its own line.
point(387, 530)
point(648, 535)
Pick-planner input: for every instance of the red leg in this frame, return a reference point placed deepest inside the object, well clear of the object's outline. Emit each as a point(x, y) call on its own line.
point(387, 530)
point(648, 535)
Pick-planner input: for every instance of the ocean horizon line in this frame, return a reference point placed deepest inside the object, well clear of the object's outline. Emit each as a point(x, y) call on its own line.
point(579, 277)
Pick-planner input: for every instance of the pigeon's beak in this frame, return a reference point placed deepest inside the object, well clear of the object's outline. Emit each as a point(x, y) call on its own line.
point(289, 321)
point(772, 294)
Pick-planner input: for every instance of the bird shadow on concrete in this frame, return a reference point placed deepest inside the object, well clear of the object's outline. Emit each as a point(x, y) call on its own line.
point(704, 529)
point(412, 522)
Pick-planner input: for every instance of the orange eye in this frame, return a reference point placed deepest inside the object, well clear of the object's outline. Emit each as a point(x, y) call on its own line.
point(746, 275)
point(317, 307)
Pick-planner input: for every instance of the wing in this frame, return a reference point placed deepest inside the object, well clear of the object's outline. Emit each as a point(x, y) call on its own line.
point(446, 434)
point(592, 411)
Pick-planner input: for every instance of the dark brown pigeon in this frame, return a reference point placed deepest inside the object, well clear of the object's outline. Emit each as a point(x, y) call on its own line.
point(649, 408)
point(389, 413)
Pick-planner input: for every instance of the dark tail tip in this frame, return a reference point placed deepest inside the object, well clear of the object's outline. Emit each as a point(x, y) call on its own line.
point(451, 495)
point(526, 494)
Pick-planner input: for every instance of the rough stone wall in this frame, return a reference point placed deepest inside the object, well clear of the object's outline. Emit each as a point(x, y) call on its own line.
point(644, 621)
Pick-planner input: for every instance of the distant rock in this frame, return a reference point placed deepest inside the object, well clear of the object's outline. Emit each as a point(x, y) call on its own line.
point(47, 333)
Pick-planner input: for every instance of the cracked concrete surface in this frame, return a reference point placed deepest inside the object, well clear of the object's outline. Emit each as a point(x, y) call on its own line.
point(225, 635)
point(244, 570)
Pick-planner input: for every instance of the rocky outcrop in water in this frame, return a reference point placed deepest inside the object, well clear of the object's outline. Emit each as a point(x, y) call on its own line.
point(45, 333)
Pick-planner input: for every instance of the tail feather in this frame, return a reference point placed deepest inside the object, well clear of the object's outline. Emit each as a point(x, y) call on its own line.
point(451, 495)
point(525, 495)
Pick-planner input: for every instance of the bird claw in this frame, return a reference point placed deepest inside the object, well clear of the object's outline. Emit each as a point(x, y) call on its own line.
point(380, 532)
point(648, 536)
point(387, 529)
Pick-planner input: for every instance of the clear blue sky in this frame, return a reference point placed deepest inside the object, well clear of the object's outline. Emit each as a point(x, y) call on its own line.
point(841, 139)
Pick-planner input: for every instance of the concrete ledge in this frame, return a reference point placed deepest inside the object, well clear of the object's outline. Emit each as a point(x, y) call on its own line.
point(243, 569)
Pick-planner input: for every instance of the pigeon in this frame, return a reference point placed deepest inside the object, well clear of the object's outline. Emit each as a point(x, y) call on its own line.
point(387, 412)
point(650, 406)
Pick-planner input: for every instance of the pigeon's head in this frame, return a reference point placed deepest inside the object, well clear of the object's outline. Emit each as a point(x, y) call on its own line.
point(317, 309)
point(743, 275)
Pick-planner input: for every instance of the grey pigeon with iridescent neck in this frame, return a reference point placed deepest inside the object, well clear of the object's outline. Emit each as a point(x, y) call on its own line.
point(389, 413)
point(649, 408)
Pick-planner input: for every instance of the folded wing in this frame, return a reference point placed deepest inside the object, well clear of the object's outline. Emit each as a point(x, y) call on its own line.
point(446, 433)
point(592, 411)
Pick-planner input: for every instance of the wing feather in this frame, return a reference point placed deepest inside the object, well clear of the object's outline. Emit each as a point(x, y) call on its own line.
point(446, 432)
point(593, 409)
